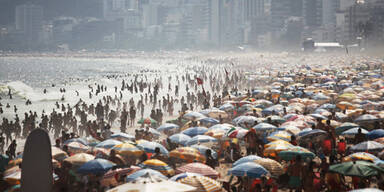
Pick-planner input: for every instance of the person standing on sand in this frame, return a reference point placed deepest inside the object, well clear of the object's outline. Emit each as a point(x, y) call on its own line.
point(295, 174)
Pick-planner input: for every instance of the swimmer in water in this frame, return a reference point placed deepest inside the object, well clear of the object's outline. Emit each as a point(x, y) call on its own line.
point(45, 91)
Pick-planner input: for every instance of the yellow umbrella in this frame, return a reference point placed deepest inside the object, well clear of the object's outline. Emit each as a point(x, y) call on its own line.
point(79, 159)
point(360, 156)
point(276, 143)
point(187, 153)
point(343, 105)
point(274, 167)
point(158, 165)
point(127, 149)
point(272, 151)
point(347, 97)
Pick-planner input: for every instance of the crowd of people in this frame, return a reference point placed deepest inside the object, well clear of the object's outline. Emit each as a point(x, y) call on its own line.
point(246, 116)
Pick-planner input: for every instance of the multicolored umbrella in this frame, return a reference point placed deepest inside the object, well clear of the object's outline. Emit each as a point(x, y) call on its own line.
point(236, 132)
point(264, 127)
point(356, 168)
point(127, 149)
point(200, 139)
point(157, 165)
point(279, 135)
point(183, 175)
point(96, 166)
point(193, 131)
point(203, 149)
point(249, 169)
point(246, 159)
point(150, 147)
point(274, 167)
point(198, 168)
point(143, 172)
point(273, 150)
point(79, 159)
point(292, 152)
point(202, 184)
point(180, 138)
point(361, 156)
point(187, 153)
point(147, 120)
point(108, 144)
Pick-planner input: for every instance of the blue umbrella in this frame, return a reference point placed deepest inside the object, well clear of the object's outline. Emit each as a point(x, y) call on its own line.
point(109, 143)
point(227, 107)
point(180, 138)
point(150, 147)
point(246, 159)
point(328, 106)
point(167, 127)
point(193, 115)
point(96, 166)
point(209, 121)
point(310, 134)
point(374, 134)
point(183, 175)
point(370, 146)
point(193, 131)
point(249, 169)
point(122, 136)
point(202, 149)
point(79, 140)
point(345, 126)
point(273, 109)
point(201, 139)
point(151, 130)
point(143, 172)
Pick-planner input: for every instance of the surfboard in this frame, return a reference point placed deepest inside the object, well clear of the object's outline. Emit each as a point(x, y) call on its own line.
point(36, 168)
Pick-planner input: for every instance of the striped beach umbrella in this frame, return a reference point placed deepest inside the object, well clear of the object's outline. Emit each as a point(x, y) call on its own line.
point(203, 184)
point(180, 138)
point(143, 172)
point(274, 167)
point(150, 147)
point(157, 165)
point(199, 168)
point(79, 159)
point(246, 159)
point(123, 137)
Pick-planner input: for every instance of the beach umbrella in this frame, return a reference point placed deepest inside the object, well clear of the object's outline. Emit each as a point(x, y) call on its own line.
point(108, 144)
point(79, 159)
point(123, 137)
point(187, 153)
point(150, 147)
point(277, 143)
point(217, 113)
point(180, 138)
point(58, 154)
point(149, 183)
point(279, 135)
point(12, 175)
point(274, 119)
point(143, 172)
point(147, 120)
point(292, 152)
point(361, 156)
point(99, 152)
point(183, 175)
point(110, 179)
point(290, 129)
point(96, 166)
point(193, 131)
point(79, 140)
point(249, 169)
point(216, 133)
point(274, 167)
point(312, 134)
point(273, 150)
point(367, 190)
point(198, 168)
point(203, 149)
point(352, 132)
point(199, 139)
point(344, 105)
point(264, 127)
point(209, 121)
point(366, 118)
point(273, 109)
point(157, 165)
point(227, 107)
point(127, 149)
point(328, 106)
point(374, 134)
point(245, 121)
point(370, 146)
point(76, 147)
point(202, 184)
point(193, 116)
point(356, 168)
point(246, 159)
point(224, 127)
point(345, 126)
point(168, 127)
point(236, 132)
point(318, 116)
point(151, 130)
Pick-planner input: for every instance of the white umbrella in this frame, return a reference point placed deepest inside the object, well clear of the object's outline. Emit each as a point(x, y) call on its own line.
point(152, 183)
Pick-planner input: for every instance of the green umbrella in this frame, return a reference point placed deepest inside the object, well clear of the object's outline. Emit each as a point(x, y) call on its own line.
point(291, 153)
point(147, 120)
point(356, 168)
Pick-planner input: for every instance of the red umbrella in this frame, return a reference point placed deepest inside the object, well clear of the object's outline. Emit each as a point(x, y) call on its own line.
point(199, 168)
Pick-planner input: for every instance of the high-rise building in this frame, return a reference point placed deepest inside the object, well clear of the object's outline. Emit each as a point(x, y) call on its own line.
point(312, 13)
point(29, 21)
point(215, 24)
